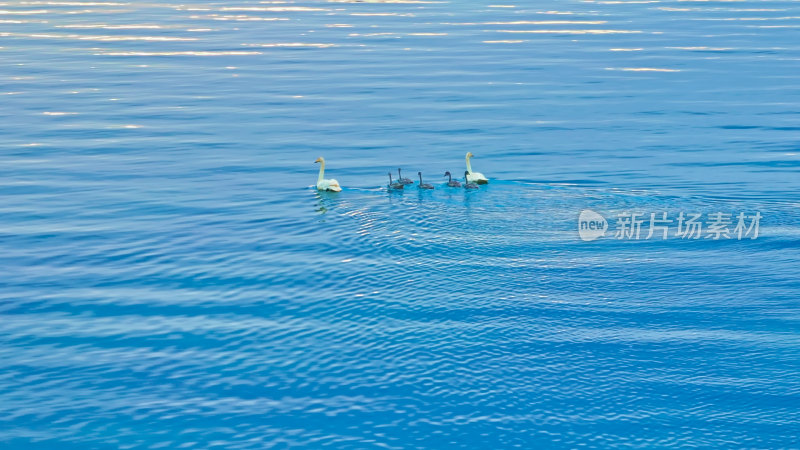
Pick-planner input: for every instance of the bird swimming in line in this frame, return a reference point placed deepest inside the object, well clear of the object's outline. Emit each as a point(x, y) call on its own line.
point(476, 177)
point(423, 185)
point(401, 179)
point(323, 184)
point(396, 185)
point(450, 181)
point(469, 184)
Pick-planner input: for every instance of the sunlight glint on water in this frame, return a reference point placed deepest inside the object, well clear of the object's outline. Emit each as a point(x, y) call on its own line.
point(171, 279)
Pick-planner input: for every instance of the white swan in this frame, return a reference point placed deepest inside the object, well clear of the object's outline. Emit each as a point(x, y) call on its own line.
point(326, 185)
point(474, 177)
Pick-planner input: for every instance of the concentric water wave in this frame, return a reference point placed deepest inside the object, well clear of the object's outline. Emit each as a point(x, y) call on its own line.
point(171, 278)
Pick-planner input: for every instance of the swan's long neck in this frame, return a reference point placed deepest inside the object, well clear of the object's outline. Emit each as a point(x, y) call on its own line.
point(390, 177)
point(420, 178)
point(449, 178)
point(321, 171)
point(469, 166)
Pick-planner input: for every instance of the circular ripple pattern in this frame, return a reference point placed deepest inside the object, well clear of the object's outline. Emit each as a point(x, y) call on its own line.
point(170, 279)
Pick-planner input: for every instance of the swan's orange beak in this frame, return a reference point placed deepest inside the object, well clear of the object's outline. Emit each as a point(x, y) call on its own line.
point(319, 160)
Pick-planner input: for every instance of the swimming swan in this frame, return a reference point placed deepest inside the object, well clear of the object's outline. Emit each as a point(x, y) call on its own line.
point(402, 180)
point(423, 185)
point(326, 185)
point(469, 184)
point(394, 184)
point(476, 177)
point(450, 181)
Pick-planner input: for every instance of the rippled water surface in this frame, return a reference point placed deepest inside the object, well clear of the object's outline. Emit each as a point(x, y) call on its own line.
point(169, 278)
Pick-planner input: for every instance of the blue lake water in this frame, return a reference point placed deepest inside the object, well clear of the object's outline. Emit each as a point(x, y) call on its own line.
point(169, 277)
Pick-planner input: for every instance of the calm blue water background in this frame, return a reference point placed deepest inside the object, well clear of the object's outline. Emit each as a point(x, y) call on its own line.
point(169, 279)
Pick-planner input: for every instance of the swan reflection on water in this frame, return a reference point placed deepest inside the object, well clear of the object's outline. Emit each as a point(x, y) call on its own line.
point(325, 201)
